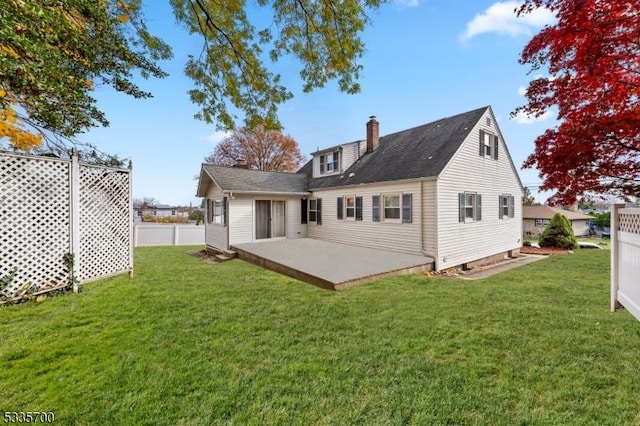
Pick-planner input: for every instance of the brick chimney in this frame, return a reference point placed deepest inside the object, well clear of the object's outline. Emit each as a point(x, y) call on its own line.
point(373, 134)
point(241, 163)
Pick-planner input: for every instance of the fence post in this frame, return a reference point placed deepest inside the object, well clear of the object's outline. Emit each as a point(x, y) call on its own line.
point(614, 255)
point(175, 234)
point(74, 183)
point(133, 239)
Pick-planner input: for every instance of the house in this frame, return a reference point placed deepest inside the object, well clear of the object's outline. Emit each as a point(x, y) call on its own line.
point(159, 211)
point(448, 190)
point(536, 218)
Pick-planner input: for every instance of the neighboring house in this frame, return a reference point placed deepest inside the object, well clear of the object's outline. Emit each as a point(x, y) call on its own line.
point(159, 211)
point(536, 218)
point(447, 189)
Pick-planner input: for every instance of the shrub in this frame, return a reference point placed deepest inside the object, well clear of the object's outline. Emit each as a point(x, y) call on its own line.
point(164, 219)
point(526, 243)
point(602, 219)
point(558, 234)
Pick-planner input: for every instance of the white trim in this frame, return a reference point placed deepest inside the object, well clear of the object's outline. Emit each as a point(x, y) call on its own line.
point(383, 207)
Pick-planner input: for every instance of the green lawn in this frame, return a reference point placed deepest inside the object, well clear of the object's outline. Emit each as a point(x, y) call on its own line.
point(187, 342)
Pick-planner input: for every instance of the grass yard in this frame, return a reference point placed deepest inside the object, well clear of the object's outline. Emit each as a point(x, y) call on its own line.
point(190, 343)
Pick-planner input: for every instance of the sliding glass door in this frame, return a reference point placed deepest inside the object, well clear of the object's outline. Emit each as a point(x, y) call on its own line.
point(270, 219)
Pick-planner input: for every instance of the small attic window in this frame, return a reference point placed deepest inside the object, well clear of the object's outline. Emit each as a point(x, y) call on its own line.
point(488, 121)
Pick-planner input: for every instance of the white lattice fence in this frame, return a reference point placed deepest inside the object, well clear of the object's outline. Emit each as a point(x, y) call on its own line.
point(625, 259)
point(105, 221)
point(50, 207)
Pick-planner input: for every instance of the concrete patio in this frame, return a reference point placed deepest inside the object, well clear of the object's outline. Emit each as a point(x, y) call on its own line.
point(330, 265)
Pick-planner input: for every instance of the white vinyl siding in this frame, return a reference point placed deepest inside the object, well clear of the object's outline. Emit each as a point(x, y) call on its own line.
point(467, 172)
point(429, 218)
point(241, 219)
point(389, 235)
point(347, 155)
point(350, 154)
point(295, 229)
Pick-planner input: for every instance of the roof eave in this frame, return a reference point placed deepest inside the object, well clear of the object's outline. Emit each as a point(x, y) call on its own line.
point(300, 193)
point(385, 182)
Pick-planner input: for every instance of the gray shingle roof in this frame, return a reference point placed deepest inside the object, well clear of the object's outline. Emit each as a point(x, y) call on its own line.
point(547, 212)
point(423, 151)
point(237, 179)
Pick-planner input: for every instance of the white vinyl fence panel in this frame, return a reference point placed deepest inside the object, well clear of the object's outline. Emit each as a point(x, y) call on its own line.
point(168, 235)
point(625, 259)
point(50, 207)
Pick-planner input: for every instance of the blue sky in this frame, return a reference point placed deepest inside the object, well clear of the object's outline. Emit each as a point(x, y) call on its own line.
point(425, 60)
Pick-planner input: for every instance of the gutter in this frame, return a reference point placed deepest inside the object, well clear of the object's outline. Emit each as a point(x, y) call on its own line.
point(384, 182)
point(231, 192)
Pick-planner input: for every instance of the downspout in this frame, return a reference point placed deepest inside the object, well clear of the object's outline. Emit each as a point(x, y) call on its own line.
point(421, 217)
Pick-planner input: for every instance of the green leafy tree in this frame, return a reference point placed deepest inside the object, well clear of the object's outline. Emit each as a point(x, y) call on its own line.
point(528, 199)
point(558, 233)
point(602, 219)
point(230, 72)
point(197, 215)
point(54, 52)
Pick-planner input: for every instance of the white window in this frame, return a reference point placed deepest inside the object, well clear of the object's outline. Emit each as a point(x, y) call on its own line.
point(217, 213)
point(542, 222)
point(391, 206)
point(488, 144)
point(506, 206)
point(469, 207)
point(329, 162)
point(313, 210)
point(350, 206)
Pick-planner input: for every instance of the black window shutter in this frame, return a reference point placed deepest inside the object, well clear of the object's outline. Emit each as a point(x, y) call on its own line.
point(340, 209)
point(225, 210)
point(406, 208)
point(478, 207)
point(359, 208)
point(461, 214)
point(512, 206)
point(496, 142)
point(319, 213)
point(321, 164)
point(481, 144)
point(304, 210)
point(375, 208)
point(500, 211)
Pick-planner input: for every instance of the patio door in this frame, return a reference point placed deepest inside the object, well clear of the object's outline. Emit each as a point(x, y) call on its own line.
point(270, 219)
point(277, 224)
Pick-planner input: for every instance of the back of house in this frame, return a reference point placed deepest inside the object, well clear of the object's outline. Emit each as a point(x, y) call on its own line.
point(447, 190)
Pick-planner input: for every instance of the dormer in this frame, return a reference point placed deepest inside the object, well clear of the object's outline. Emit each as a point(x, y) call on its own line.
point(328, 161)
point(337, 159)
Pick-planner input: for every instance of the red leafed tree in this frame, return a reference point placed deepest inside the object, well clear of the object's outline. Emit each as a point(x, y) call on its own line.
point(592, 54)
point(261, 149)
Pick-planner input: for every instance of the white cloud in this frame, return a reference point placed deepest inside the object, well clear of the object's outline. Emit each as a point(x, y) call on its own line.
point(522, 90)
point(217, 137)
point(408, 3)
point(522, 118)
point(500, 18)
